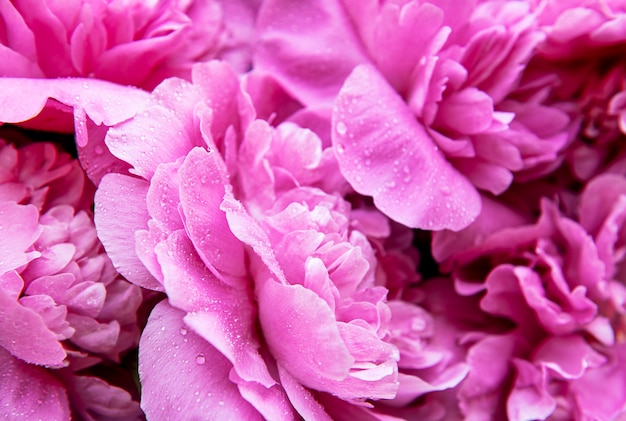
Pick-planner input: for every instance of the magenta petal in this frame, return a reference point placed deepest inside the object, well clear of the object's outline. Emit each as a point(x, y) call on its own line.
point(385, 153)
point(30, 393)
point(24, 334)
point(117, 220)
point(529, 400)
point(302, 333)
point(183, 376)
point(202, 180)
point(568, 356)
point(99, 397)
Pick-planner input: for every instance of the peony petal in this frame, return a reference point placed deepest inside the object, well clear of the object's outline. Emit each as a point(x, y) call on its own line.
point(301, 398)
point(115, 220)
point(302, 333)
point(385, 153)
point(568, 356)
point(95, 396)
point(311, 60)
point(20, 228)
point(29, 392)
point(26, 336)
point(529, 400)
point(103, 102)
point(202, 180)
point(221, 314)
point(197, 385)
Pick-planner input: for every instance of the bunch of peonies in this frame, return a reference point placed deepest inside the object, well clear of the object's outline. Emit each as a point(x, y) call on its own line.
point(319, 210)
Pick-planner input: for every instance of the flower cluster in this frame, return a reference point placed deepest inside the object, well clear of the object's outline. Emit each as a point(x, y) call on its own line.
point(333, 209)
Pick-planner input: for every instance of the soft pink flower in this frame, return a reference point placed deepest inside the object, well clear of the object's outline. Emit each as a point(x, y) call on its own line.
point(64, 307)
point(128, 42)
point(276, 301)
point(422, 113)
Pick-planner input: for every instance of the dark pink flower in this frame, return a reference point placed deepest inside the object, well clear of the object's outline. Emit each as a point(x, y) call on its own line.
point(579, 69)
point(128, 42)
point(556, 281)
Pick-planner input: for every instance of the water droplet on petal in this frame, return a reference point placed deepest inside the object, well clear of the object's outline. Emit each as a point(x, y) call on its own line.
point(200, 360)
point(341, 128)
point(183, 331)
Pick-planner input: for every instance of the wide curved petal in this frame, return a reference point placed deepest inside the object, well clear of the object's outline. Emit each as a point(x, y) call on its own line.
point(385, 153)
point(183, 376)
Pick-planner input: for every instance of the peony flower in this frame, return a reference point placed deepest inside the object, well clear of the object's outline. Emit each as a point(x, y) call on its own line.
point(552, 280)
point(420, 98)
point(128, 42)
point(276, 301)
point(579, 69)
point(39, 174)
point(64, 307)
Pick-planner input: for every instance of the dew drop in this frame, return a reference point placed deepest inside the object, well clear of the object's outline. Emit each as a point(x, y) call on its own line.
point(445, 190)
point(341, 128)
point(183, 331)
point(98, 150)
point(200, 360)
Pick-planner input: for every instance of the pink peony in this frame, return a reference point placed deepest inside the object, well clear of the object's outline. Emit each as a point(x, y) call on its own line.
point(553, 281)
point(277, 303)
point(128, 42)
point(579, 68)
point(419, 91)
point(64, 307)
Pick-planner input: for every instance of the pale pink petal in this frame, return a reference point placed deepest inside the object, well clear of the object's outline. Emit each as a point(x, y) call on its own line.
point(385, 153)
point(158, 134)
point(273, 403)
point(116, 221)
point(221, 314)
point(20, 228)
point(197, 386)
point(203, 177)
point(301, 398)
point(302, 333)
point(103, 102)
